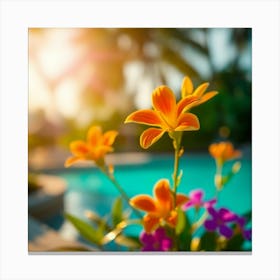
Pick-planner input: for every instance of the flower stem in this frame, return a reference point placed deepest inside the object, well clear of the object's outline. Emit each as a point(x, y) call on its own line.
point(218, 178)
point(177, 148)
point(111, 177)
point(199, 222)
point(177, 137)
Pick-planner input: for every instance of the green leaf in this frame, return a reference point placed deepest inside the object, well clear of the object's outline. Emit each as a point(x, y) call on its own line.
point(248, 216)
point(235, 169)
point(181, 223)
point(71, 249)
point(86, 230)
point(227, 178)
point(128, 241)
point(115, 234)
point(110, 236)
point(117, 209)
point(235, 243)
point(97, 220)
point(185, 234)
point(208, 241)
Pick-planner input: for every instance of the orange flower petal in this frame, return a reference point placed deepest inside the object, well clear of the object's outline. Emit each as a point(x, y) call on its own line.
point(150, 136)
point(148, 117)
point(201, 89)
point(71, 160)
point(109, 137)
point(186, 104)
point(226, 149)
point(181, 199)
point(162, 191)
point(230, 153)
point(236, 154)
point(206, 97)
point(94, 136)
point(187, 87)
point(150, 222)
point(164, 199)
point(172, 219)
point(164, 101)
point(79, 148)
point(187, 122)
point(143, 202)
point(223, 151)
point(214, 150)
point(99, 152)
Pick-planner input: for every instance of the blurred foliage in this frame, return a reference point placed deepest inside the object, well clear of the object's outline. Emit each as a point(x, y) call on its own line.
point(105, 233)
point(159, 50)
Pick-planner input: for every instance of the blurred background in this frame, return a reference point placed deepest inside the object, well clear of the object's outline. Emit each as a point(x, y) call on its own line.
point(97, 76)
point(79, 77)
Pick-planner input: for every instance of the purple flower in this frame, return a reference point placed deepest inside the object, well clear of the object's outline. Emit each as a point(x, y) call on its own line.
point(247, 233)
point(156, 241)
point(220, 220)
point(196, 200)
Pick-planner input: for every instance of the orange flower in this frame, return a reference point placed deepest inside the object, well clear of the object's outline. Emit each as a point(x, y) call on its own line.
point(159, 209)
point(167, 114)
point(223, 151)
point(188, 91)
point(94, 148)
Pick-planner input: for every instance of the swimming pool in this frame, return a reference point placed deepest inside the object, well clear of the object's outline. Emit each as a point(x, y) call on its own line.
point(89, 189)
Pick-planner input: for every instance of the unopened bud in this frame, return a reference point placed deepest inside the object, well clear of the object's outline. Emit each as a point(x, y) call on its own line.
point(236, 167)
point(181, 152)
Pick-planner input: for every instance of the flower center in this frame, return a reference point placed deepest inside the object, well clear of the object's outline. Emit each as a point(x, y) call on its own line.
point(156, 245)
point(220, 222)
point(168, 122)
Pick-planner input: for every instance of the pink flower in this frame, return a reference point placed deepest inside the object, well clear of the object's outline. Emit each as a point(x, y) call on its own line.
point(196, 200)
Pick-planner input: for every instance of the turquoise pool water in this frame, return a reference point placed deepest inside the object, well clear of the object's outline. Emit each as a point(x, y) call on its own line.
point(89, 189)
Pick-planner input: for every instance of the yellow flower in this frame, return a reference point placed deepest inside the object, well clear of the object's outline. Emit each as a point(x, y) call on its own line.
point(188, 91)
point(94, 148)
point(160, 209)
point(223, 151)
point(168, 115)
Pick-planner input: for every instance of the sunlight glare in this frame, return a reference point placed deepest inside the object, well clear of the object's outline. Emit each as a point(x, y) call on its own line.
point(67, 97)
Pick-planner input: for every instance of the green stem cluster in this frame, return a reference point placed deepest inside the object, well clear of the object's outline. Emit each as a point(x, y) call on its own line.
point(177, 138)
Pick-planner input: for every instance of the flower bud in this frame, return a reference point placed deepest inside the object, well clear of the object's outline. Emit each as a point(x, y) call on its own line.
point(236, 167)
